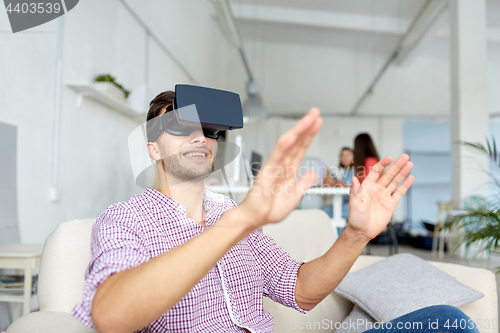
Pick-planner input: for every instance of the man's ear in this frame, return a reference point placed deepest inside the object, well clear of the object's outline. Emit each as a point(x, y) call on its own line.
point(153, 151)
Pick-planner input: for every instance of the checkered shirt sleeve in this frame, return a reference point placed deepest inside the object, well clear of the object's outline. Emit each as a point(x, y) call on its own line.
point(280, 270)
point(116, 245)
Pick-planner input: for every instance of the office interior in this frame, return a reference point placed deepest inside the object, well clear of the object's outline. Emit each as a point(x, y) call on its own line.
point(419, 76)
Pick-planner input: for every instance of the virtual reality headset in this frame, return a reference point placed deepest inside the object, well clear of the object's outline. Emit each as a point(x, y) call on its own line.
point(193, 107)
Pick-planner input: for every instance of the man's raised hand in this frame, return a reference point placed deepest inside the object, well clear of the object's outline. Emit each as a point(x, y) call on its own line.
point(373, 202)
point(276, 192)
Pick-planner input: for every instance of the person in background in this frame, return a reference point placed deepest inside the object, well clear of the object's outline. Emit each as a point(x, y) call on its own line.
point(365, 156)
point(344, 173)
point(342, 178)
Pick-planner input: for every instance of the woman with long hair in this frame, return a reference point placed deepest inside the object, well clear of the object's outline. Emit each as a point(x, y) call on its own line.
point(365, 156)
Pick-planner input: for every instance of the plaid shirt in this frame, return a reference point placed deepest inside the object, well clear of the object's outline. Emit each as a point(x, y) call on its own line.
point(227, 299)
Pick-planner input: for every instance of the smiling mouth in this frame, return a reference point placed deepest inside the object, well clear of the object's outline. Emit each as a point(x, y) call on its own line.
point(196, 154)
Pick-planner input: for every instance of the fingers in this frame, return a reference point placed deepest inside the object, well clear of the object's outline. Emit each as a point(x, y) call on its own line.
point(305, 182)
point(305, 138)
point(305, 129)
point(355, 186)
point(291, 163)
point(400, 191)
point(378, 169)
point(298, 152)
point(400, 176)
point(394, 170)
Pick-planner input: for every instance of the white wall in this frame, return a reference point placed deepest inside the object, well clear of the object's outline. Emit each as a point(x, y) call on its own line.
point(99, 37)
point(298, 68)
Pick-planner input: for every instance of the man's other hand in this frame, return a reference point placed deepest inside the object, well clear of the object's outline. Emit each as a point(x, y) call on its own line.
point(372, 203)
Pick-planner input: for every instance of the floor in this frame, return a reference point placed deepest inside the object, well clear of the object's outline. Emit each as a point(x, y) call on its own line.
point(492, 264)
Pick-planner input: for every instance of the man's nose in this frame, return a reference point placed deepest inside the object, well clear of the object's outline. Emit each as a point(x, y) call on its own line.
point(197, 137)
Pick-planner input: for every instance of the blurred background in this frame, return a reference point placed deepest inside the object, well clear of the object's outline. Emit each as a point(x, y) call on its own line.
point(418, 76)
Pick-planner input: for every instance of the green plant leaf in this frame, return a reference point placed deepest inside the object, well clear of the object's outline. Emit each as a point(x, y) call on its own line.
point(480, 226)
point(109, 78)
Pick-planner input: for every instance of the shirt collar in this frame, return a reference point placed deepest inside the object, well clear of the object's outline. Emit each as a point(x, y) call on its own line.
point(209, 199)
point(213, 196)
point(163, 200)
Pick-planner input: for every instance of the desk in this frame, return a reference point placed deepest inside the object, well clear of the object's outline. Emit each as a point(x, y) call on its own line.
point(21, 256)
point(337, 192)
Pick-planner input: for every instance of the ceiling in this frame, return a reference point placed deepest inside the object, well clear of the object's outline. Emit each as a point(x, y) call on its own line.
point(326, 53)
point(389, 8)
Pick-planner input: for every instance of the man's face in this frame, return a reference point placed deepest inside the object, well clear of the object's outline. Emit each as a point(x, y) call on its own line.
point(187, 157)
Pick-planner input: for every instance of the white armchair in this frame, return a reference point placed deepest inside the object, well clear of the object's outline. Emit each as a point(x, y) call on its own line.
point(305, 234)
point(65, 257)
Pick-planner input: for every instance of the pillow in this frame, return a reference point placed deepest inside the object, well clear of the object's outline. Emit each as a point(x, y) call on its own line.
point(401, 284)
point(356, 322)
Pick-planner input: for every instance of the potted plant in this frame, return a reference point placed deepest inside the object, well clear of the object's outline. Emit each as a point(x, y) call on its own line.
point(480, 225)
point(107, 84)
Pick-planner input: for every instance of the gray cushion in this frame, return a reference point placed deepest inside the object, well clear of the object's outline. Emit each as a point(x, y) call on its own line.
point(401, 284)
point(356, 322)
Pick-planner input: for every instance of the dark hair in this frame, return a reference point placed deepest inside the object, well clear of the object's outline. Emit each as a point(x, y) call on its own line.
point(160, 101)
point(363, 148)
point(340, 162)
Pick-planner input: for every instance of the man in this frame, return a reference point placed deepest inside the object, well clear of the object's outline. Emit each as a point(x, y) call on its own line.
point(199, 263)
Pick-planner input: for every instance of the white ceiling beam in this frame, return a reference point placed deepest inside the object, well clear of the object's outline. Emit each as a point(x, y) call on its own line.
point(362, 23)
point(226, 18)
point(412, 34)
point(420, 27)
point(314, 18)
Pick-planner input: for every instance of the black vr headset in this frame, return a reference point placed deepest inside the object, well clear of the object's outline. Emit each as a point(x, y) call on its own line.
point(193, 106)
